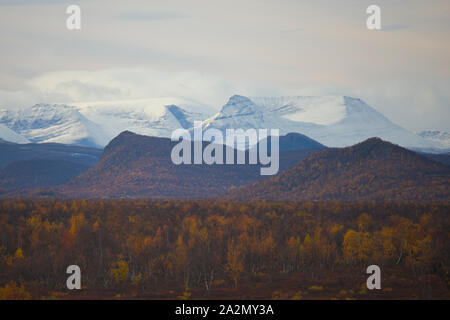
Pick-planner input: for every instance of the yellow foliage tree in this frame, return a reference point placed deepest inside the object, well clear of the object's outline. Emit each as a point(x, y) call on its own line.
point(12, 291)
point(234, 266)
point(357, 246)
point(76, 223)
point(19, 254)
point(119, 273)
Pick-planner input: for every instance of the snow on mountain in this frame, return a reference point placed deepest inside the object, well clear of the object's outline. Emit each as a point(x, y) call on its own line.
point(96, 123)
point(335, 121)
point(441, 138)
point(7, 134)
point(151, 117)
point(53, 123)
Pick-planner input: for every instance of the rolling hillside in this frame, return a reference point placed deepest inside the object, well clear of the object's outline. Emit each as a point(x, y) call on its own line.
point(371, 170)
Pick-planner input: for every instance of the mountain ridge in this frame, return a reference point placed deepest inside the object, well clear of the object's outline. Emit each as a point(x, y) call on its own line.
point(335, 121)
point(370, 170)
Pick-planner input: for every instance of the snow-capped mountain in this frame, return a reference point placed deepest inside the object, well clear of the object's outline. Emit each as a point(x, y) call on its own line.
point(335, 121)
point(440, 138)
point(96, 123)
point(53, 123)
point(151, 117)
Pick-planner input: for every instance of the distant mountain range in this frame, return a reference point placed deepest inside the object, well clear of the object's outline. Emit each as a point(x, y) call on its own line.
point(371, 170)
point(335, 121)
point(95, 124)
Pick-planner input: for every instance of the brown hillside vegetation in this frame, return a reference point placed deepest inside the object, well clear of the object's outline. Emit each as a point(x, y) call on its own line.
point(371, 170)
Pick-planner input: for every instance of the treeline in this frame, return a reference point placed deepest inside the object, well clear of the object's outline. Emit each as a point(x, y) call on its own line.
point(150, 245)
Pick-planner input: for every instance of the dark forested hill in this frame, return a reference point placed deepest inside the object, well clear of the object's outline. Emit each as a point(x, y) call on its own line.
point(371, 170)
point(10, 152)
point(34, 173)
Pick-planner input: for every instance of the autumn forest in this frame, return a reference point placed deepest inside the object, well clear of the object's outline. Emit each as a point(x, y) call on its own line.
point(174, 249)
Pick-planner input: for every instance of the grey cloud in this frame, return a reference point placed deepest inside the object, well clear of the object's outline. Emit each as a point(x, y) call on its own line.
point(394, 27)
point(149, 16)
point(17, 3)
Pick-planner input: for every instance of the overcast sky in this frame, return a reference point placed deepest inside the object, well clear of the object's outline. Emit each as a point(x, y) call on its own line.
point(210, 50)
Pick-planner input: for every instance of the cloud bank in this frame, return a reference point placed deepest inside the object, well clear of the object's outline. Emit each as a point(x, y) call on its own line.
point(209, 50)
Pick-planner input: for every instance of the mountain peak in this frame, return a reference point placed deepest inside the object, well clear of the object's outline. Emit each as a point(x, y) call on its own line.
point(125, 133)
point(122, 139)
point(238, 105)
point(373, 141)
point(238, 99)
point(136, 144)
point(375, 147)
